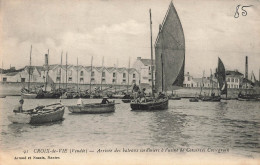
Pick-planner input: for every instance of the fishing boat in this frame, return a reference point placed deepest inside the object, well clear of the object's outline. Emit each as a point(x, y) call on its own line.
point(39, 115)
point(221, 79)
point(93, 108)
point(169, 61)
point(248, 97)
point(195, 99)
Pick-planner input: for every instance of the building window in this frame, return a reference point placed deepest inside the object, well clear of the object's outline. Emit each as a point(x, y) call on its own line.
point(134, 81)
point(58, 72)
point(81, 73)
point(4, 79)
point(57, 79)
point(103, 80)
point(70, 72)
point(149, 68)
point(232, 80)
point(103, 74)
point(150, 80)
point(236, 80)
point(22, 79)
point(228, 79)
point(188, 78)
point(92, 79)
point(70, 78)
point(133, 75)
point(124, 75)
point(114, 74)
point(124, 81)
point(92, 73)
point(114, 80)
point(81, 80)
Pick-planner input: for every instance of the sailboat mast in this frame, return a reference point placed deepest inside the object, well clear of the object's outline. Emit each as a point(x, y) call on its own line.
point(47, 70)
point(102, 69)
point(77, 75)
point(90, 74)
point(128, 74)
point(66, 70)
point(151, 52)
point(161, 34)
point(30, 69)
point(60, 68)
point(202, 82)
point(2, 71)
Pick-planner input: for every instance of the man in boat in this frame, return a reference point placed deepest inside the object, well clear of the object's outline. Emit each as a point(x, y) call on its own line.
point(142, 95)
point(105, 100)
point(161, 95)
point(135, 90)
point(19, 108)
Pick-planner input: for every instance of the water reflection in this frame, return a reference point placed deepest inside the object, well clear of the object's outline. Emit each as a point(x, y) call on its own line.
point(167, 129)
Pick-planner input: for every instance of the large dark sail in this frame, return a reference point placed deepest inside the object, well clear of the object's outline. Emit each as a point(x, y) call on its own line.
point(221, 76)
point(170, 52)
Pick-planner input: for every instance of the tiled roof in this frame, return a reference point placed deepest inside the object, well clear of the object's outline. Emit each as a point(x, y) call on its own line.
point(233, 73)
point(146, 62)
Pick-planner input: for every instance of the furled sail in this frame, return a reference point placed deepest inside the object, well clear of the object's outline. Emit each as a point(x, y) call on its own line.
point(170, 52)
point(221, 76)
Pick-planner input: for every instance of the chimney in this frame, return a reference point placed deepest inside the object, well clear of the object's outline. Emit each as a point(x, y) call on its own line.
point(246, 71)
point(139, 58)
point(46, 59)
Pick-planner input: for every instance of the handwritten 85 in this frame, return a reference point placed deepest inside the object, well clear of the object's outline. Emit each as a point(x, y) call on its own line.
point(243, 8)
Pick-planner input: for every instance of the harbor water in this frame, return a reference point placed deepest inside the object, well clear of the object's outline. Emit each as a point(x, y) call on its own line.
point(229, 124)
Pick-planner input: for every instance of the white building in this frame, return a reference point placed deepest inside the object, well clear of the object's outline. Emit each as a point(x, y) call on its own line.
point(143, 66)
point(80, 74)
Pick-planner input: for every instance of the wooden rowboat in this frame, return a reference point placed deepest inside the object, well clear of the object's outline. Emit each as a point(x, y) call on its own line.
point(93, 108)
point(39, 115)
point(154, 104)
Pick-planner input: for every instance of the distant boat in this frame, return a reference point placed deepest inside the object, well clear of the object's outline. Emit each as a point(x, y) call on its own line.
point(221, 78)
point(169, 61)
point(2, 96)
point(93, 108)
point(248, 97)
point(195, 99)
point(39, 115)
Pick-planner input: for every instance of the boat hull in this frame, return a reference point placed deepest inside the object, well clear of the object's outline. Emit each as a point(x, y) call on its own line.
point(148, 106)
point(92, 108)
point(126, 100)
point(194, 100)
point(29, 95)
point(38, 118)
point(211, 99)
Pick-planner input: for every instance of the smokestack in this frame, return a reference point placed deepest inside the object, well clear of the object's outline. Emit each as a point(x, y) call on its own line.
point(46, 59)
point(246, 71)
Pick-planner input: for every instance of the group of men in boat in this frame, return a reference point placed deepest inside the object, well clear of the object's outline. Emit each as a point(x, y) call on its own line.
point(141, 96)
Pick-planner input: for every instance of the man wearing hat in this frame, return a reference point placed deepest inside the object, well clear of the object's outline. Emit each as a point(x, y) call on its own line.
point(105, 100)
point(19, 108)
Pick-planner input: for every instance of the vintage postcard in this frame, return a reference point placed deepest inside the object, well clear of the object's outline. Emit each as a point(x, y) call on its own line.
point(138, 82)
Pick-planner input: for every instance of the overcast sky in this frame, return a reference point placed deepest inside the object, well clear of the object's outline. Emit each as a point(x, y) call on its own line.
point(119, 29)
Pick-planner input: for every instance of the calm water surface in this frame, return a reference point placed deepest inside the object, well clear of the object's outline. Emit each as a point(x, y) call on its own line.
point(229, 124)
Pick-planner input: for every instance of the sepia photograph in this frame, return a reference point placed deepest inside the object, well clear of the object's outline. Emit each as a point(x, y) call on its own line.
point(133, 82)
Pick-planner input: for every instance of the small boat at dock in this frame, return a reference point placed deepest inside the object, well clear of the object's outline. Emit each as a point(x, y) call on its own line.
point(39, 115)
point(92, 108)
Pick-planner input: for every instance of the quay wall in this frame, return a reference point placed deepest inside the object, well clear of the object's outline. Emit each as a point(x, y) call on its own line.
point(10, 89)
